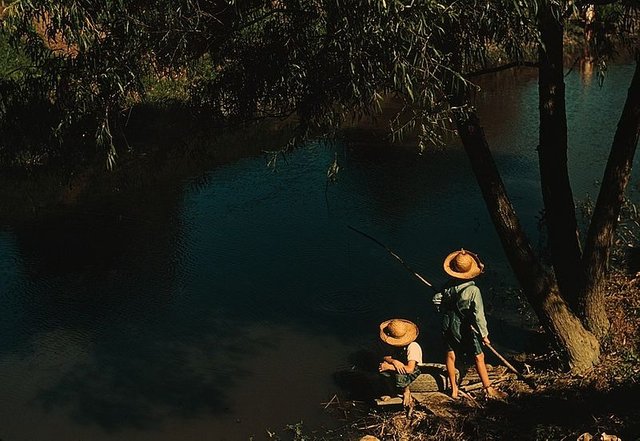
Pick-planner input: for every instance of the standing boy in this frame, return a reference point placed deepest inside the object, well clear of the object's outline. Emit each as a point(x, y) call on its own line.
point(403, 354)
point(464, 325)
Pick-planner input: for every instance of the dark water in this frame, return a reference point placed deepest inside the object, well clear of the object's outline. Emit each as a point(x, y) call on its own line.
point(221, 308)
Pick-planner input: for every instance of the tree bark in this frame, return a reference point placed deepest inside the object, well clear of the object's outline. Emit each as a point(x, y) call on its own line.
point(605, 216)
point(559, 205)
point(580, 347)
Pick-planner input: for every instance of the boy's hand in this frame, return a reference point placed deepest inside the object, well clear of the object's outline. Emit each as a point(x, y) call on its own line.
point(399, 367)
point(486, 341)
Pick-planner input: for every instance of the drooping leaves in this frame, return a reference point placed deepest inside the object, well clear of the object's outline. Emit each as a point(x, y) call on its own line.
point(324, 61)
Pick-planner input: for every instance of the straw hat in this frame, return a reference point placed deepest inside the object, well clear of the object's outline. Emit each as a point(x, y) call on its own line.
point(463, 265)
point(398, 332)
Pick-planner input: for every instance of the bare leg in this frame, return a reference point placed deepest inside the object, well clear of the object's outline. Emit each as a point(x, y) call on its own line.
point(484, 376)
point(406, 396)
point(451, 372)
point(482, 370)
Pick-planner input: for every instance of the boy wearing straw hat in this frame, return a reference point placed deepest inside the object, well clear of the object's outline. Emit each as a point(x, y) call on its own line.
point(464, 325)
point(404, 354)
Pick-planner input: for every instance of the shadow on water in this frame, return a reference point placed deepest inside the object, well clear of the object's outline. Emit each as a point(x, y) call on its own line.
point(145, 331)
point(102, 284)
point(97, 281)
point(138, 392)
point(362, 381)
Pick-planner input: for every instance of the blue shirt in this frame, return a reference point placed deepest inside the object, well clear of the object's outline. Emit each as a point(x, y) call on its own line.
point(466, 298)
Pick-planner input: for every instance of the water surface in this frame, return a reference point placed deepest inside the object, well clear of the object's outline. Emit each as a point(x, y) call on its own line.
point(220, 307)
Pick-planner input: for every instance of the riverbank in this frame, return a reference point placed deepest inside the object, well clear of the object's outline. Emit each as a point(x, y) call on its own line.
point(562, 406)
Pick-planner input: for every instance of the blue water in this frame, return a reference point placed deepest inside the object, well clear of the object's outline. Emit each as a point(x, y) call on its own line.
point(221, 306)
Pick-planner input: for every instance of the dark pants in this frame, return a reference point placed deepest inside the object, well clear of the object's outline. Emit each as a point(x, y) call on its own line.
point(402, 380)
point(468, 347)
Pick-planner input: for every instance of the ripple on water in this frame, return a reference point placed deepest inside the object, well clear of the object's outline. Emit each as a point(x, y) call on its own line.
point(342, 302)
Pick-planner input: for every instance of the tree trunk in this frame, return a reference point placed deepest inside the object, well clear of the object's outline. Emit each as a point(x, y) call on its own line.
point(579, 346)
point(605, 216)
point(554, 176)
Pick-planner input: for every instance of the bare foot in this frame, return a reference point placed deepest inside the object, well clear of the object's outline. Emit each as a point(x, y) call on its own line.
point(454, 392)
point(406, 397)
point(495, 394)
point(384, 366)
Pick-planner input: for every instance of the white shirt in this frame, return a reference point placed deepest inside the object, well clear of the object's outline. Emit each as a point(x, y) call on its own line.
point(414, 352)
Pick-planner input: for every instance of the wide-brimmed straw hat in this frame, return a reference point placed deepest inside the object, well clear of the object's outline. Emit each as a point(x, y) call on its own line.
point(463, 264)
point(398, 332)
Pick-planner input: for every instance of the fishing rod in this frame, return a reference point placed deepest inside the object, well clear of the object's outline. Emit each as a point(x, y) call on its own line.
point(422, 279)
point(426, 282)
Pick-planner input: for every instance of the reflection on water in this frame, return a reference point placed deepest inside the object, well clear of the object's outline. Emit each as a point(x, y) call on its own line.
point(221, 306)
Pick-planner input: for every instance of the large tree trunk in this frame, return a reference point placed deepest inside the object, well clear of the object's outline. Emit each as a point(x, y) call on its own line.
point(580, 346)
point(605, 216)
point(559, 205)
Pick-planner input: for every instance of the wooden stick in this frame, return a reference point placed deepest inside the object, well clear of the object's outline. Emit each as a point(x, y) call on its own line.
point(478, 385)
point(466, 395)
point(504, 360)
point(331, 401)
point(398, 258)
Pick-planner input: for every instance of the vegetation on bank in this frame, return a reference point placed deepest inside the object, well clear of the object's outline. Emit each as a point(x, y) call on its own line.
point(84, 64)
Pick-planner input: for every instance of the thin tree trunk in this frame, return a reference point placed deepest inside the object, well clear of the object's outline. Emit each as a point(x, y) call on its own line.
point(580, 346)
point(554, 176)
point(605, 215)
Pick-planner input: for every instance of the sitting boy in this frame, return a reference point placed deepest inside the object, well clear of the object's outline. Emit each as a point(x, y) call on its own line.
point(402, 356)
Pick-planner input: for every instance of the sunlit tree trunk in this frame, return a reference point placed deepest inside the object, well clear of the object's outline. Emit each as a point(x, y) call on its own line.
point(607, 209)
point(580, 346)
point(559, 205)
point(589, 19)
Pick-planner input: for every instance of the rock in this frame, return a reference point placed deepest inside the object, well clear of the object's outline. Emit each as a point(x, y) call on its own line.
point(437, 403)
point(433, 378)
point(427, 383)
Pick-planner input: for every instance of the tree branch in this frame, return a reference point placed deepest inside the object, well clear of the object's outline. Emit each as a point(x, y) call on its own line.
point(605, 215)
point(500, 68)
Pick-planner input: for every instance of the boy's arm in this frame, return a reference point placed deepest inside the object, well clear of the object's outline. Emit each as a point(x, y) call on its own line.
point(398, 366)
point(437, 300)
point(391, 364)
point(478, 313)
point(441, 295)
point(410, 366)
